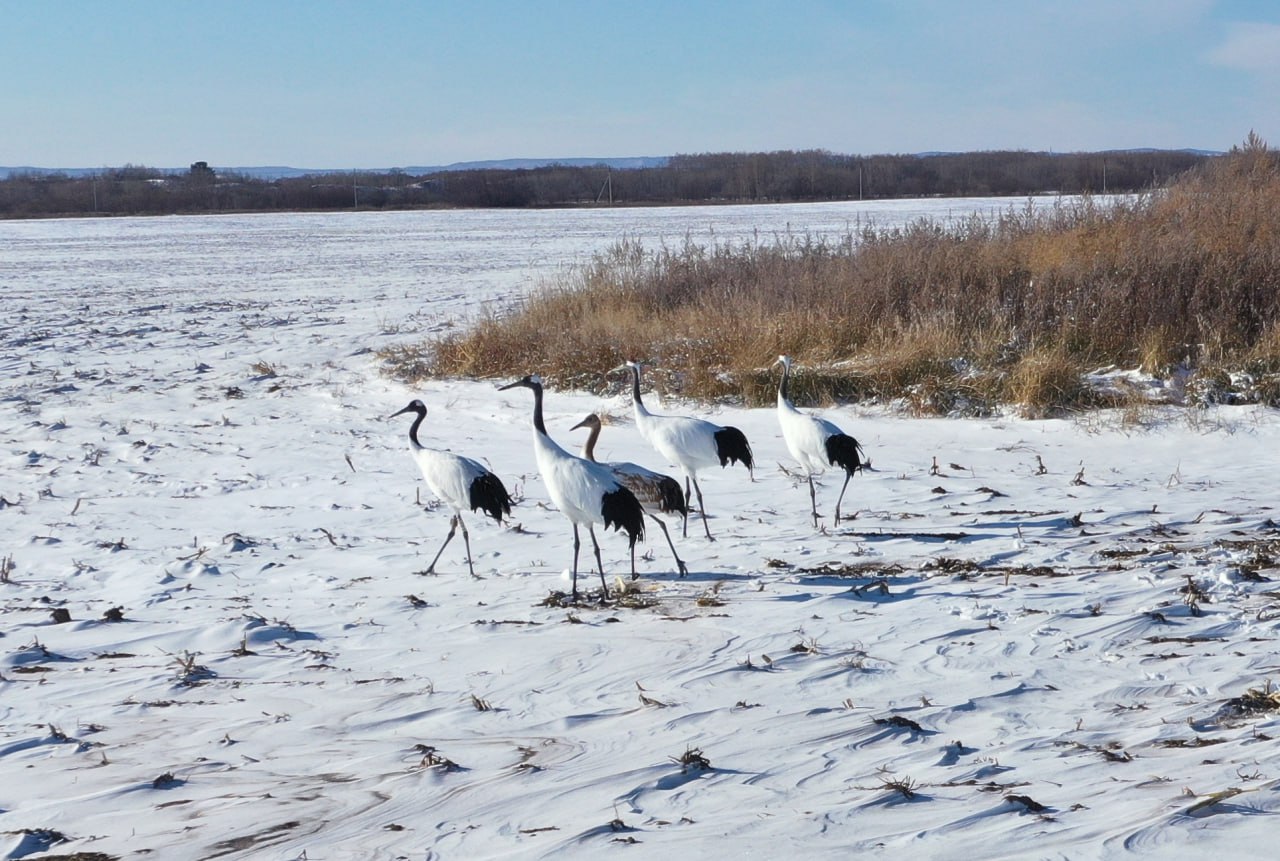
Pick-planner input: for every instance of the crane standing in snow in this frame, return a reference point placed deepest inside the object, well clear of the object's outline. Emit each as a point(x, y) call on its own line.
point(690, 443)
point(815, 443)
point(459, 482)
point(654, 490)
point(585, 492)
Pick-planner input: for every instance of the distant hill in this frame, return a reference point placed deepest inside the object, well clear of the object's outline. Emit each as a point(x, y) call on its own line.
point(273, 172)
point(780, 176)
point(270, 172)
point(1133, 150)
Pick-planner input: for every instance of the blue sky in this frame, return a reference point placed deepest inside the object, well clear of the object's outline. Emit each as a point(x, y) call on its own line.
point(377, 83)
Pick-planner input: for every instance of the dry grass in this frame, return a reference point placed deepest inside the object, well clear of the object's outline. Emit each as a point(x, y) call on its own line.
point(1010, 309)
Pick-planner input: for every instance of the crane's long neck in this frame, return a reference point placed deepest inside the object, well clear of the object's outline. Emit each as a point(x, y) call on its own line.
point(544, 446)
point(635, 392)
point(538, 424)
point(783, 386)
point(413, 429)
point(589, 447)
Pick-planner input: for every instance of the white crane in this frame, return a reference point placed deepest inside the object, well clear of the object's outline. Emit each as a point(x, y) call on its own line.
point(459, 482)
point(816, 443)
point(585, 492)
point(656, 492)
point(690, 443)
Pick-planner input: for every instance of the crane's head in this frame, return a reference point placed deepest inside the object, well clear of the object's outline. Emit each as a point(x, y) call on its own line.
point(592, 421)
point(633, 367)
point(415, 406)
point(529, 381)
point(783, 360)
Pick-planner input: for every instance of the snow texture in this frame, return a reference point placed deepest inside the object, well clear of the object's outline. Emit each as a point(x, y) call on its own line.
point(1026, 639)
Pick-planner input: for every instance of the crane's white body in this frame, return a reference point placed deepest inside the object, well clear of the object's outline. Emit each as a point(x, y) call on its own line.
point(686, 442)
point(449, 476)
point(575, 485)
point(806, 436)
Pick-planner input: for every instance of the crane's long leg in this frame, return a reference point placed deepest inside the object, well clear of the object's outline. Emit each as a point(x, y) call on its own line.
point(679, 562)
point(847, 476)
point(813, 499)
point(701, 508)
point(466, 539)
point(604, 588)
point(453, 526)
point(684, 533)
point(577, 542)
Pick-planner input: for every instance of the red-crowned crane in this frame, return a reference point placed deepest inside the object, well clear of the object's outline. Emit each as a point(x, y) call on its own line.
point(585, 492)
point(692, 444)
point(815, 443)
point(459, 482)
point(656, 492)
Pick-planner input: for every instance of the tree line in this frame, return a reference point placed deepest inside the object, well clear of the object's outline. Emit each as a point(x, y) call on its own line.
point(784, 176)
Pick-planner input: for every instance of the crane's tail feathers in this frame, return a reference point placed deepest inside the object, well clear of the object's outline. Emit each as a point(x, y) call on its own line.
point(488, 492)
point(673, 500)
point(732, 445)
point(623, 512)
point(844, 451)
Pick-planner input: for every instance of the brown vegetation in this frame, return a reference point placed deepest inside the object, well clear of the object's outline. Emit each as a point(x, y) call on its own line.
point(1009, 309)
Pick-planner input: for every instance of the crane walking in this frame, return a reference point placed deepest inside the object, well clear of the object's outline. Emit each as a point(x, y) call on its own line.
point(459, 482)
point(816, 443)
point(690, 443)
point(586, 493)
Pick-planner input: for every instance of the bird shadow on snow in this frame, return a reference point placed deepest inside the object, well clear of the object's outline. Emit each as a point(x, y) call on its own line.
point(869, 590)
point(697, 576)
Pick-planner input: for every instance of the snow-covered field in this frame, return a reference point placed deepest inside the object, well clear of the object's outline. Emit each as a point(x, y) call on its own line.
point(1045, 639)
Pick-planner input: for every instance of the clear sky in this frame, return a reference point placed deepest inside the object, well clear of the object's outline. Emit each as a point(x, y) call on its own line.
point(382, 83)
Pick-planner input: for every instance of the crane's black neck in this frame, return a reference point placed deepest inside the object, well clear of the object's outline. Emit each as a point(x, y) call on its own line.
point(635, 385)
point(538, 424)
point(784, 382)
point(421, 413)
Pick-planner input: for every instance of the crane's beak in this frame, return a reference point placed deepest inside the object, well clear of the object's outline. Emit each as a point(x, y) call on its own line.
point(402, 412)
point(585, 423)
